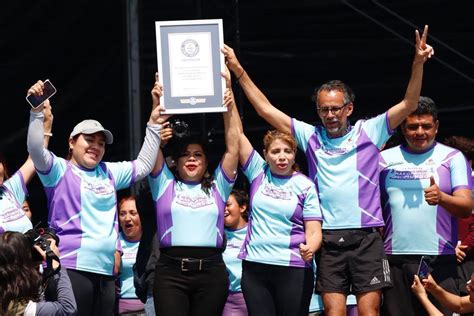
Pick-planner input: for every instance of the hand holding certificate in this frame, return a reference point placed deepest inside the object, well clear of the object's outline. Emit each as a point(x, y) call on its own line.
point(190, 64)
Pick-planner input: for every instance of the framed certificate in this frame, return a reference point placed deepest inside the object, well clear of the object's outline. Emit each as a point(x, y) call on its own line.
point(190, 63)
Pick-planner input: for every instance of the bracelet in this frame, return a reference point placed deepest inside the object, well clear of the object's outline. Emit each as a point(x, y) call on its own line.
point(48, 134)
point(238, 78)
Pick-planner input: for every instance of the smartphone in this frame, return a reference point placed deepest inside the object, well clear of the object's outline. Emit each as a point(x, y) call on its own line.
point(423, 269)
point(48, 91)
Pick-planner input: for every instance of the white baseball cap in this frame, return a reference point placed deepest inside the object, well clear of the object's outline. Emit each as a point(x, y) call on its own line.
point(91, 127)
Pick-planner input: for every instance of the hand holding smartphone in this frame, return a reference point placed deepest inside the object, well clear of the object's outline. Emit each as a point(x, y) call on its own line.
point(35, 100)
point(423, 269)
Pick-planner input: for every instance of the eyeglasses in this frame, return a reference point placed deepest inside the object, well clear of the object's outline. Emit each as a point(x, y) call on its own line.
point(335, 110)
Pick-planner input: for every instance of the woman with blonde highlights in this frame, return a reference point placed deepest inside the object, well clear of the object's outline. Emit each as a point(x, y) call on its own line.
point(284, 229)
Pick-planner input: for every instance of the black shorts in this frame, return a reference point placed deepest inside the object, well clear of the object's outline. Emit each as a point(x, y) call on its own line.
point(352, 261)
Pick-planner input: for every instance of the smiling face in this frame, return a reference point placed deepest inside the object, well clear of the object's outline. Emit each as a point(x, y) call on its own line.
point(87, 149)
point(130, 220)
point(419, 131)
point(233, 214)
point(192, 163)
point(334, 112)
point(280, 156)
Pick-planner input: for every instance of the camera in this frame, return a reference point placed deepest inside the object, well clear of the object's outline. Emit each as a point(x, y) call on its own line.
point(40, 236)
point(180, 128)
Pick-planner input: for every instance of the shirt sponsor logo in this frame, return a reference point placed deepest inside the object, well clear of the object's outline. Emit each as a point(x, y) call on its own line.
point(276, 193)
point(193, 202)
point(99, 188)
point(129, 255)
point(410, 174)
point(12, 214)
point(335, 151)
point(234, 246)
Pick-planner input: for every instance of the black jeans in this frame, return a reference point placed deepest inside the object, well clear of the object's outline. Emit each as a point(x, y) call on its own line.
point(183, 293)
point(399, 300)
point(94, 293)
point(276, 290)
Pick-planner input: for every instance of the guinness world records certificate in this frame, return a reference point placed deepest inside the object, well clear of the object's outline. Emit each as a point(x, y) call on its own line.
point(190, 63)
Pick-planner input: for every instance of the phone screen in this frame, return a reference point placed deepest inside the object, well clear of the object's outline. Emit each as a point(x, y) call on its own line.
point(423, 269)
point(48, 91)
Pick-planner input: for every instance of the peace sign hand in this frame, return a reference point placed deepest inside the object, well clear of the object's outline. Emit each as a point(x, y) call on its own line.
point(423, 50)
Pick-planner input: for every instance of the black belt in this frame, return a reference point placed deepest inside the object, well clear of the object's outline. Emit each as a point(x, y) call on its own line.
point(370, 229)
point(362, 229)
point(191, 264)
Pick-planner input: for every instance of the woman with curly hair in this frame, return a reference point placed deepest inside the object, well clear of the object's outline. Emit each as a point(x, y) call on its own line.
point(20, 293)
point(190, 277)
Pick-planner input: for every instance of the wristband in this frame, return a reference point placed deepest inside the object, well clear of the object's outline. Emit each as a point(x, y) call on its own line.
point(238, 78)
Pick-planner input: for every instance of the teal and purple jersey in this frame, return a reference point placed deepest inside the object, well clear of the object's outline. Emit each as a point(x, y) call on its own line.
point(235, 240)
point(129, 257)
point(13, 193)
point(345, 171)
point(185, 214)
point(412, 225)
point(83, 210)
point(279, 206)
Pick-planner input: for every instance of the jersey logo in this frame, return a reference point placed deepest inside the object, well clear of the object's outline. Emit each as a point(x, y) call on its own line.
point(234, 246)
point(374, 281)
point(341, 240)
point(413, 173)
point(195, 202)
point(11, 214)
point(276, 193)
point(99, 188)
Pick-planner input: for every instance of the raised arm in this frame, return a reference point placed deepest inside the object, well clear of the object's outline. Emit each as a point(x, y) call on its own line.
point(420, 292)
point(165, 132)
point(449, 300)
point(398, 112)
point(40, 124)
point(259, 101)
point(150, 152)
point(232, 131)
point(28, 169)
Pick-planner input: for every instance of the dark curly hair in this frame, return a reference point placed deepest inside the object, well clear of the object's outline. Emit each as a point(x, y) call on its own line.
point(19, 277)
point(242, 199)
point(426, 105)
point(463, 144)
point(178, 150)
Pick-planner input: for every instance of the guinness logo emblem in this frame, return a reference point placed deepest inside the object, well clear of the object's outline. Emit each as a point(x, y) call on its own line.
point(190, 48)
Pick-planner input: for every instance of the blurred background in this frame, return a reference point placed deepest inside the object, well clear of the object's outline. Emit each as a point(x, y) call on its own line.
point(101, 56)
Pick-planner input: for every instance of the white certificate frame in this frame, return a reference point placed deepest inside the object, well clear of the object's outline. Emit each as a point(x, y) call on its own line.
point(190, 64)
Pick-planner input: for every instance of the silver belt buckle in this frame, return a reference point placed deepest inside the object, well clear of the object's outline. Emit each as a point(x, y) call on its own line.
point(182, 264)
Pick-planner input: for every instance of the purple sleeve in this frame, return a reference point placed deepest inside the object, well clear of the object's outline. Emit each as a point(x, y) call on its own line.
point(65, 304)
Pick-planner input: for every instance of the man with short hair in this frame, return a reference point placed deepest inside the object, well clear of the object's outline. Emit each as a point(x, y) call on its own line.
point(425, 187)
point(342, 160)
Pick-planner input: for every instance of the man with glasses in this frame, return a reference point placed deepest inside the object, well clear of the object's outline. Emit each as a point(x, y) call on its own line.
point(343, 162)
point(425, 187)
